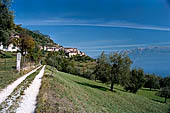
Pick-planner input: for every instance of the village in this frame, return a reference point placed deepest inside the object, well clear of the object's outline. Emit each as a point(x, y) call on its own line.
point(48, 48)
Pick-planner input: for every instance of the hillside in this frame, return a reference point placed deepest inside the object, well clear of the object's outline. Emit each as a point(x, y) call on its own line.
point(40, 38)
point(68, 93)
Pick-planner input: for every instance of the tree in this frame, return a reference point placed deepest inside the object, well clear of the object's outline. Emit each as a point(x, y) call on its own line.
point(166, 82)
point(101, 69)
point(4, 36)
point(26, 43)
point(54, 60)
point(61, 63)
point(151, 81)
point(120, 68)
point(165, 88)
point(35, 54)
point(7, 3)
point(165, 92)
point(6, 21)
point(136, 80)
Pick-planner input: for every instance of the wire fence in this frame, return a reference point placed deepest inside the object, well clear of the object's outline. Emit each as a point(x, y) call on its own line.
point(7, 69)
point(26, 63)
point(7, 64)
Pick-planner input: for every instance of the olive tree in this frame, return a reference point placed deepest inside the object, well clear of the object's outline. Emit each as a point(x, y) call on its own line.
point(120, 68)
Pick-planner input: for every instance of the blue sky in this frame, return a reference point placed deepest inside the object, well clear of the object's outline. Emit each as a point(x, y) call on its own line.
point(98, 25)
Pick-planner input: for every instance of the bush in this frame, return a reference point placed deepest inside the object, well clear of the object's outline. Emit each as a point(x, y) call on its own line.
point(92, 77)
point(87, 74)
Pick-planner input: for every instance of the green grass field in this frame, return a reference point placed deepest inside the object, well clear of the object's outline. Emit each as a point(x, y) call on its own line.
point(8, 72)
point(68, 93)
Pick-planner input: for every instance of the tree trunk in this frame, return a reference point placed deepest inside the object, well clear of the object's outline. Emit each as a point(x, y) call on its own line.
point(165, 98)
point(112, 84)
point(150, 88)
point(95, 78)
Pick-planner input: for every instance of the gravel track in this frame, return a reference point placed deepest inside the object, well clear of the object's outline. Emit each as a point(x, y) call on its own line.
point(10, 88)
point(28, 102)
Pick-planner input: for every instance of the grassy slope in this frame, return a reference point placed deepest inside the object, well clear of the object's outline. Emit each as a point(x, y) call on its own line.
point(65, 92)
point(87, 66)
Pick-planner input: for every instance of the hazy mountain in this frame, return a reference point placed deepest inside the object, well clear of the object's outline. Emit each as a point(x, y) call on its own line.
point(151, 59)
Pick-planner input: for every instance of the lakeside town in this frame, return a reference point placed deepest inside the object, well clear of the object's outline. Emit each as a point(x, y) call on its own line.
point(52, 48)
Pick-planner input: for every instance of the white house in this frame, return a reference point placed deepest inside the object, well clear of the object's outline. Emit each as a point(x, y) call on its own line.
point(68, 50)
point(1, 46)
point(10, 47)
point(70, 54)
point(82, 53)
point(54, 48)
point(73, 51)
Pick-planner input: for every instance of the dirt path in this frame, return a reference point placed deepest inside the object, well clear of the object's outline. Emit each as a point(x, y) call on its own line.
point(10, 88)
point(28, 103)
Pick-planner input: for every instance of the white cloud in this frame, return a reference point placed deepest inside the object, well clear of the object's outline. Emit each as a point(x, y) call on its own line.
point(96, 23)
point(114, 46)
point(117, 46)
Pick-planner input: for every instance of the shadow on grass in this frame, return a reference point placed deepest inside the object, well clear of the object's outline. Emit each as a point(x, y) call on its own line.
point(120, 89)
point(158, 101)
point(169, 111)
point(148, 89)
point(13, 67)
point(93, 86)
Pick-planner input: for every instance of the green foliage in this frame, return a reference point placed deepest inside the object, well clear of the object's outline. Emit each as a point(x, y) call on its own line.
point(6, 21)
point(152, 81)
point(82, 58)
point(26, 43)
point(165, 89)
point(136, 80)
point(85, 69)
point(4, 35)
point(120, 68)
point(60, 62)
point(7, 3)
point(166, 81)
point(52, 59)
point(116, 69)
point(36, 54)
point(164, 92)
point(39, 38)
point(102, 68)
